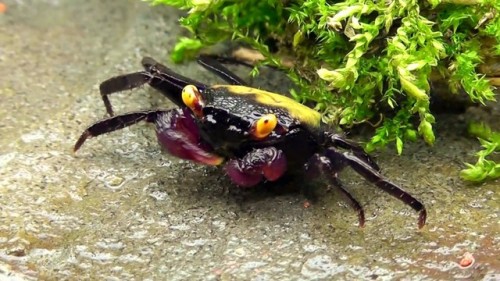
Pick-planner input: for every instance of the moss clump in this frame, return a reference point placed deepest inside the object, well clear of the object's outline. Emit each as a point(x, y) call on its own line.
point(359, 61)
point(484, 169)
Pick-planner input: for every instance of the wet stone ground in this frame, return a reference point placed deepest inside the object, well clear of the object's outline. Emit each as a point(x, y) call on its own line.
point(121, 210)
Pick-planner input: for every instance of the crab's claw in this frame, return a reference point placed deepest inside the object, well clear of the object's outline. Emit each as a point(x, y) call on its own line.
point(267, 163)
point(179, 136)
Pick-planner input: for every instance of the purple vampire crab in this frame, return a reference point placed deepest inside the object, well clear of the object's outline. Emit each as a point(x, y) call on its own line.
point(256, 135)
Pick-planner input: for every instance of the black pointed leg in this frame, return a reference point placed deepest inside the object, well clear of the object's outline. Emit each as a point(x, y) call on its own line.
point(339, 141)
point(176, 130)
point(116, 123)
point(121, 83)
point(369, 173)
point(350, 199)
point(330, 172)
point(156, 75)
point(166, 80)
point(212, 64)
point(226, 60)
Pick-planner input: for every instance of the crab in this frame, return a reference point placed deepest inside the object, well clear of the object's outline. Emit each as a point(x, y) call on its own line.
point(256, 135)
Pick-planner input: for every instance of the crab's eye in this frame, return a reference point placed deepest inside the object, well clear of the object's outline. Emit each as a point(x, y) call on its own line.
point(264, 126)
point(191, 98)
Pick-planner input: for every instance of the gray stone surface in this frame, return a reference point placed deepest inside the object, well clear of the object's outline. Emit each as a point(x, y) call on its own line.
point(121, 210)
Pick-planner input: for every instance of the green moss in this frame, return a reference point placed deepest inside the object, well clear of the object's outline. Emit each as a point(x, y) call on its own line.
point(484, 169)
point(358, 61)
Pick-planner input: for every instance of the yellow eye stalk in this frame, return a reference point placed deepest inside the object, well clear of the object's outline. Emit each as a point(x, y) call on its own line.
point(264, 126)
point(191, 98)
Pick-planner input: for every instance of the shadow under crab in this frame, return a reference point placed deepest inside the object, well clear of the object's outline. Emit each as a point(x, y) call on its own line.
point(257, 135)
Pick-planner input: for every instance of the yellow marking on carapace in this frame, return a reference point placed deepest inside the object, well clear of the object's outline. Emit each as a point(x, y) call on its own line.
point(297, 110)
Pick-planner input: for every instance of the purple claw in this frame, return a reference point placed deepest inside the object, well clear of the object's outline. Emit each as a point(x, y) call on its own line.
point(276, 168)
point(269, 163)
point(242, 178)
point(178, 134)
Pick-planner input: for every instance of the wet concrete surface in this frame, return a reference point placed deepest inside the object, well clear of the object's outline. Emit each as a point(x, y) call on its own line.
point(121, 210)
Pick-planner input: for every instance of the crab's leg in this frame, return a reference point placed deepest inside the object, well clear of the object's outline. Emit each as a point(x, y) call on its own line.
point(175, 129)
point(158, 76)
point(166, 81)
point(368, 172)
point(330, 172)
point(121, 83)
point(212, 64)
point(350, 199)
point(339, 141)
point(114, 123)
